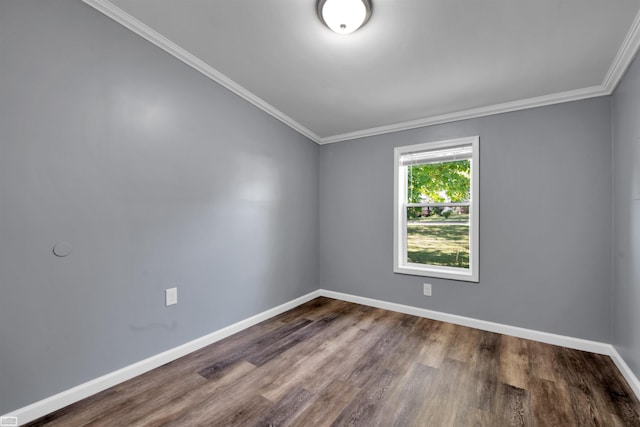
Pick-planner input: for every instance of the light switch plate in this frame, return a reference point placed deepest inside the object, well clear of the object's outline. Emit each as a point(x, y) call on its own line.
point(171, 296)
point(427, 289)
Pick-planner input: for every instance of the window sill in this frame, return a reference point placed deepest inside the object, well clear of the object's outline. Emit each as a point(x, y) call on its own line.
point(438, 272)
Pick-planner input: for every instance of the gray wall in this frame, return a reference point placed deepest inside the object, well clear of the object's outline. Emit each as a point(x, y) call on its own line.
point(157, 176)
point(545, 252)
point(161, 178)
point(626, 217)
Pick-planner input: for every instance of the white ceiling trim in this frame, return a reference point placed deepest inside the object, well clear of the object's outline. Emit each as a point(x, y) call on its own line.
point(620, 64)
point(616, 71)
point(624, 57)
point(120, 16)
point(539, 101)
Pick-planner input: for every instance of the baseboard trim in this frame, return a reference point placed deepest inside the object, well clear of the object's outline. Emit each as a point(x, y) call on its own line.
point(79, 392)
point(530, 334)
point(626, 371)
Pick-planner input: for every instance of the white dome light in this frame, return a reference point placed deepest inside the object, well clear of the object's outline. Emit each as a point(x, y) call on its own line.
point(344, 16)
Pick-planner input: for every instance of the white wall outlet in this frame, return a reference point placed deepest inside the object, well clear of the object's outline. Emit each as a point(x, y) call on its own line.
point(8, 421)
point(427, 289)
point(171, 296)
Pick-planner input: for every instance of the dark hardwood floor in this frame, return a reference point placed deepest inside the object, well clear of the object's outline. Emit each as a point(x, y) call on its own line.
point(330, 362)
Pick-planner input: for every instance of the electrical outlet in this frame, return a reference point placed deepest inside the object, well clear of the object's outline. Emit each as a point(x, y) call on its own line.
point(427, 289)
point(8, 421)
point(171, 296)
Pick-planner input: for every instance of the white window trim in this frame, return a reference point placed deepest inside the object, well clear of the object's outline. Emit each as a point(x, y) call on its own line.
point(400, 220)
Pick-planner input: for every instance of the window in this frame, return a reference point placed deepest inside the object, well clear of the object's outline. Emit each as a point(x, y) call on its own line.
point(436, 209)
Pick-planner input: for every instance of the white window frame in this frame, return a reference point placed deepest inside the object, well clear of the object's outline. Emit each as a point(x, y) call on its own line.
point(400, 263)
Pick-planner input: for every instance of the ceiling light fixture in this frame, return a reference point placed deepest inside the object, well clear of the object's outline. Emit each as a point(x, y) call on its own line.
point(344, 16)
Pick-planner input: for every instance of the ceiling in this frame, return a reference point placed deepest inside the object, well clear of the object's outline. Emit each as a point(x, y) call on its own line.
point(415, 63)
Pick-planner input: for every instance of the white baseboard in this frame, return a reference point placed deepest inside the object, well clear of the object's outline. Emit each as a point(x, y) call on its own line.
point(60, 400)
point(79, 392)
point(626, 371)
point(530, 334)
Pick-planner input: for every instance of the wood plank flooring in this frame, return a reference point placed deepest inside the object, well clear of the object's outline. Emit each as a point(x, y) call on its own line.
point(333, 363)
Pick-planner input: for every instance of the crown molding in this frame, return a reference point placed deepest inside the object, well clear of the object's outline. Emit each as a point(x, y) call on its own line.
point(624, 57)
point(621, 62)
point(539, 101)
point(141, 29)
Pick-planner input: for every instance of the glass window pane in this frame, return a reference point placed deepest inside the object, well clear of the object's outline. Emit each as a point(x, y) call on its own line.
point(438, 236)
point(439, 182)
